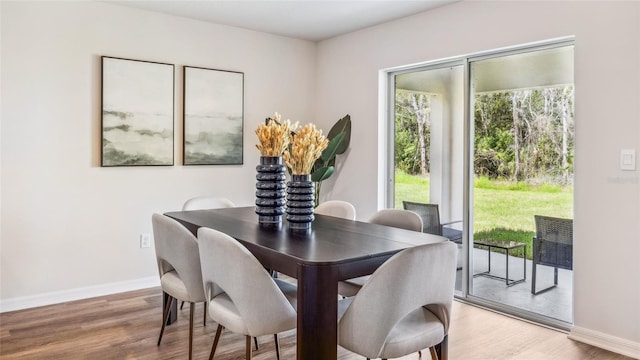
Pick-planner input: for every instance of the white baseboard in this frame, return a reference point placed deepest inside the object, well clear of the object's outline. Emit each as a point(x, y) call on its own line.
point(605, 341)
point(56, 297)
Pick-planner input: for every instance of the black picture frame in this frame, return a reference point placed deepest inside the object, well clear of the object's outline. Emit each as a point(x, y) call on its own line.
point(137, 103)
point(213, 116)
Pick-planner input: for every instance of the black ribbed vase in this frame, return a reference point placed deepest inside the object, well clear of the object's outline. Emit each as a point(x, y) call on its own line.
point(270, 191)
point(300, 202)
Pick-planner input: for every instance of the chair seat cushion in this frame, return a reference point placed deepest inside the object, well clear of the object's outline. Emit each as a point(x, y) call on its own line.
point(223, 311)
point(416, 331)
point(172, 284)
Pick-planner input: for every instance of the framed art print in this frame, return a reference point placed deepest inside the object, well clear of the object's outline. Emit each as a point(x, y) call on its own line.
point(213, 116)
point(137, 112)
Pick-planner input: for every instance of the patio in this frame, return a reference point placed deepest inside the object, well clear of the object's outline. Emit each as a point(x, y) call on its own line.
point(555, 303)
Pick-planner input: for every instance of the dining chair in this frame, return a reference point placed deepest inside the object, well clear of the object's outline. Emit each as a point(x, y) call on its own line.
point(203, 203)
point(178, 266)
point(399, 218)
point(552, 246)
point(337, 208)
point(403, 219)
point(240, 293)
point(207, 202)
point(404, 306)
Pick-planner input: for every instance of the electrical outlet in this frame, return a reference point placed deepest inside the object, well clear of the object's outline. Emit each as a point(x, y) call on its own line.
point(145, 240)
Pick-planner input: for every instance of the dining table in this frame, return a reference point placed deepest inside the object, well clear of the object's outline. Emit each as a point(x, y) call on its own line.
point(333, 249)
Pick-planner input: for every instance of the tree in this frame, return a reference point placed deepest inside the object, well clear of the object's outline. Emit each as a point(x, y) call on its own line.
point(412, 131)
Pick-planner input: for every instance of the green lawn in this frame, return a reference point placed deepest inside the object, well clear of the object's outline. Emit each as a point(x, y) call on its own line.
point(502, 210)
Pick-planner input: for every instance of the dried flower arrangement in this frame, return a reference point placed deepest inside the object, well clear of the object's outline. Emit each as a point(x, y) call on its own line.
point(307, 146)
point(274, 136)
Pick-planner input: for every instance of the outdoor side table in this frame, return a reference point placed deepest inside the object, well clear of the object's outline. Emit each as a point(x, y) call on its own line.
point(506, 246)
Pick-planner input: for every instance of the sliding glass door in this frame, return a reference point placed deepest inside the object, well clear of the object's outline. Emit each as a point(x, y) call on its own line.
point(489, 139)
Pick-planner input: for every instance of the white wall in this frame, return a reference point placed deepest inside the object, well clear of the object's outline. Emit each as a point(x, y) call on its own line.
point(70, 226)
point(607, 79)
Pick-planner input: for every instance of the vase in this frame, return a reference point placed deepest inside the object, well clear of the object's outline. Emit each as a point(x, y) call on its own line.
point(270, 191)
point(300, 203)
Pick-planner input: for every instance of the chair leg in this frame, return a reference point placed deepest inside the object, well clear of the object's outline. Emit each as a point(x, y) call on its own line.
point(533, 281)
point(248, 347)
point(275, 339)
point(181, 304)
point(204, 320)
point(192, 308)
point(434, 354)
point(533, 278)
point(442, 349)
point(165, 318)
point(419, 354)
point(215, 341)
point(255, 341)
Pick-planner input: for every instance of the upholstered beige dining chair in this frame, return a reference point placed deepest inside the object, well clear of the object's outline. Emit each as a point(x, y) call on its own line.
point(179, 267)
point(337, 208)
point(240, 293)
point(203, 203)
point(403, 219)
point(207, 202)
point(404, 306)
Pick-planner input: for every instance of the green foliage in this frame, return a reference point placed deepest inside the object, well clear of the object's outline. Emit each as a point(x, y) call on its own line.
point(339, 138)
point(525, 134)
point(406, 148)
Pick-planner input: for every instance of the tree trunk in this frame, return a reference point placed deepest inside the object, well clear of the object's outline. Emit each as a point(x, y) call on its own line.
point(565, 134)
point(516, 134)
point(418, 101)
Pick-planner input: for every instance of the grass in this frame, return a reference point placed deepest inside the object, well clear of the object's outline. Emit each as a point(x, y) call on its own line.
point(502, 210)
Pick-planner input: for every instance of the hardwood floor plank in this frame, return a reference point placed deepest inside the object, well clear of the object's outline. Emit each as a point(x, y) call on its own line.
point(127, 325)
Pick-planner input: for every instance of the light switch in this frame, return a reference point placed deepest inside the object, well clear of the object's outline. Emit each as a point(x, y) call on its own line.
point(627, 159)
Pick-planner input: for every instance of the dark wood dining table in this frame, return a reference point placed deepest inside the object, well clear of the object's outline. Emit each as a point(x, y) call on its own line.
point(335, 249)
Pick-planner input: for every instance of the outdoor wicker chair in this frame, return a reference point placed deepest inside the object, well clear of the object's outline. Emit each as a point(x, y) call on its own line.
point(431, 224)
point(552, 246)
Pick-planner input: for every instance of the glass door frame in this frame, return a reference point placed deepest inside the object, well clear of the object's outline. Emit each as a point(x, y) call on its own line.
point(387, 88)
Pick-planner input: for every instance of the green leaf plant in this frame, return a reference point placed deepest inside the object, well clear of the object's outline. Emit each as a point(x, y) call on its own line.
point(339, 138)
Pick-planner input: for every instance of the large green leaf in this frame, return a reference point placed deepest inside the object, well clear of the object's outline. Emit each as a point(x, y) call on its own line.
point(332, 149)
point(341, 126)
point(322, 174)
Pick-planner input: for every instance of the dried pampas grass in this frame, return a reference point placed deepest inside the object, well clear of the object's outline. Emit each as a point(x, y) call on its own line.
point(307, 146)
point(274, 136)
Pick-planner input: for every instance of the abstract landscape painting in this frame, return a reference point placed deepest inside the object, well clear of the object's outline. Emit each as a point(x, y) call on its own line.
point(137, 112)
point(213, 116)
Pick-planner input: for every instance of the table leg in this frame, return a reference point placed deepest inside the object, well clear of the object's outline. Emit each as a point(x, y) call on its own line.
point(317, 333)
point(507, 267)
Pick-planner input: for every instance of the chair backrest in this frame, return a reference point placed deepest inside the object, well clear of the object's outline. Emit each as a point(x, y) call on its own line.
point(553, 244)
point(207, 202)
point(399, 218)
point(429, 213)
point(177, 249)
point(420, 276)
point(554, 229)
point(228, 266)
point(337, 208)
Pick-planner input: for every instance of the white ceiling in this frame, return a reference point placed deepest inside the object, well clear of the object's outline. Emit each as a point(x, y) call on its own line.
point(313, 20)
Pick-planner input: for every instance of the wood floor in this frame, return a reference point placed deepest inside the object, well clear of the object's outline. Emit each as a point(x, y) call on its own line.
point(126, 326)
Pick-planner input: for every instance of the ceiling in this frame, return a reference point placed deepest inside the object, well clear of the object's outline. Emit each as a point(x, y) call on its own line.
point(313, 20)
